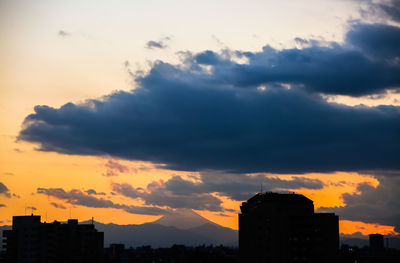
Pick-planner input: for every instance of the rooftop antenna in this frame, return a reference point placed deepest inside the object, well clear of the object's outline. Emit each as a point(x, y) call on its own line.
point(70, 212)
point(25, 208)
point(92, 220)
point(261, 187)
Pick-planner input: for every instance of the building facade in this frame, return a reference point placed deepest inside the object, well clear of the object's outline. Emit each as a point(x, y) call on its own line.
point(275, 227)
point(31, 241)
point(376, 243)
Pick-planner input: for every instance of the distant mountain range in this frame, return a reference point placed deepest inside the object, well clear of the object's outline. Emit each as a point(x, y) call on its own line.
point(184, 227)
point(360, 242)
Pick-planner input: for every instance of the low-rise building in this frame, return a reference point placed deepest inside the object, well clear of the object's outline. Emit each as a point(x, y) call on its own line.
point(31, 241)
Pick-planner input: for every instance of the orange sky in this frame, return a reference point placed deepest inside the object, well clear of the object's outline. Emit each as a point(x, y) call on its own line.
point(52, 170)
point(40, 67)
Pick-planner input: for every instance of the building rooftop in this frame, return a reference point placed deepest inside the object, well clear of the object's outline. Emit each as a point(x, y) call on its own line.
point(279, 197)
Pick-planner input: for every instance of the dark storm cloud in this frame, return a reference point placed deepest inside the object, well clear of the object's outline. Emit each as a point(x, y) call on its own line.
point(378, 41)
point(207, 112)
point(77, 197)
point(372, 205)
point(366, 64)
point(4, 190)
point(191, 127)
point(392, 9)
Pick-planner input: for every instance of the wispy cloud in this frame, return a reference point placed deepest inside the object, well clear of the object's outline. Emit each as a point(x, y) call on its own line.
point(94, 192)
point(77, 197)
point(114, 168)
point(160, 44)
point(58, 205)
point(63, 33)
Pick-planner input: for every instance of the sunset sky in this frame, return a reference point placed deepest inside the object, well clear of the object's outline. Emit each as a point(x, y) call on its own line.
point(127, 110)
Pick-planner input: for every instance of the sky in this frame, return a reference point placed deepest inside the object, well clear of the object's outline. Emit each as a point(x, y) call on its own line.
point(128, 110)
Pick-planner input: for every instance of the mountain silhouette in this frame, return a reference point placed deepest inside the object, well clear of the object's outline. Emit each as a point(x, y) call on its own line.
point(183, 219)
point(184, 227)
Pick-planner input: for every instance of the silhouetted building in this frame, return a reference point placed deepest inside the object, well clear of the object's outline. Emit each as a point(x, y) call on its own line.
point(282, 228)
point(376, 242)
point(174, 254)
point(117, 253)
point(31, 241)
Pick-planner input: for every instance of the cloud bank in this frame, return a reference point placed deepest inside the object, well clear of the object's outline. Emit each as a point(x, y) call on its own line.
point(267, 115)
point(178, 192)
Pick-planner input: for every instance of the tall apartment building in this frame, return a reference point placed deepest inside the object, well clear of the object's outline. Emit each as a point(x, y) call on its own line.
point(31, 241)
point(275, 227)
point(376, 243)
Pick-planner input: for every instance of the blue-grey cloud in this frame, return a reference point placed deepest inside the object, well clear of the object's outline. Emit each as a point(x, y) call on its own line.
point(94, 192)
point(77, 197)
point(4, 190)
point(157, 194)
point(237, 186)
point(192, 118)
point(381, 42)
point(58, 205)
point(2, 205)
point(160, 44)
point(182, 193)
point(32, 208)
point(188, 126)
point(367, 63)
point(114, 168)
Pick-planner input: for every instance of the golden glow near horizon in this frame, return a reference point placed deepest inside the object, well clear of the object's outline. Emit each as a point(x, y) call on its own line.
point(52, 170)
point(42, 66)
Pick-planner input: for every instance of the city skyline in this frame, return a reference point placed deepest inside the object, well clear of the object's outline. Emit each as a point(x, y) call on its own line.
point(127, 111)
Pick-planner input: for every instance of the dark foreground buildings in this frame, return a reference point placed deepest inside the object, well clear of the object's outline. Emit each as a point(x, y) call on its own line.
point(283, 228)
point(31, 241)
